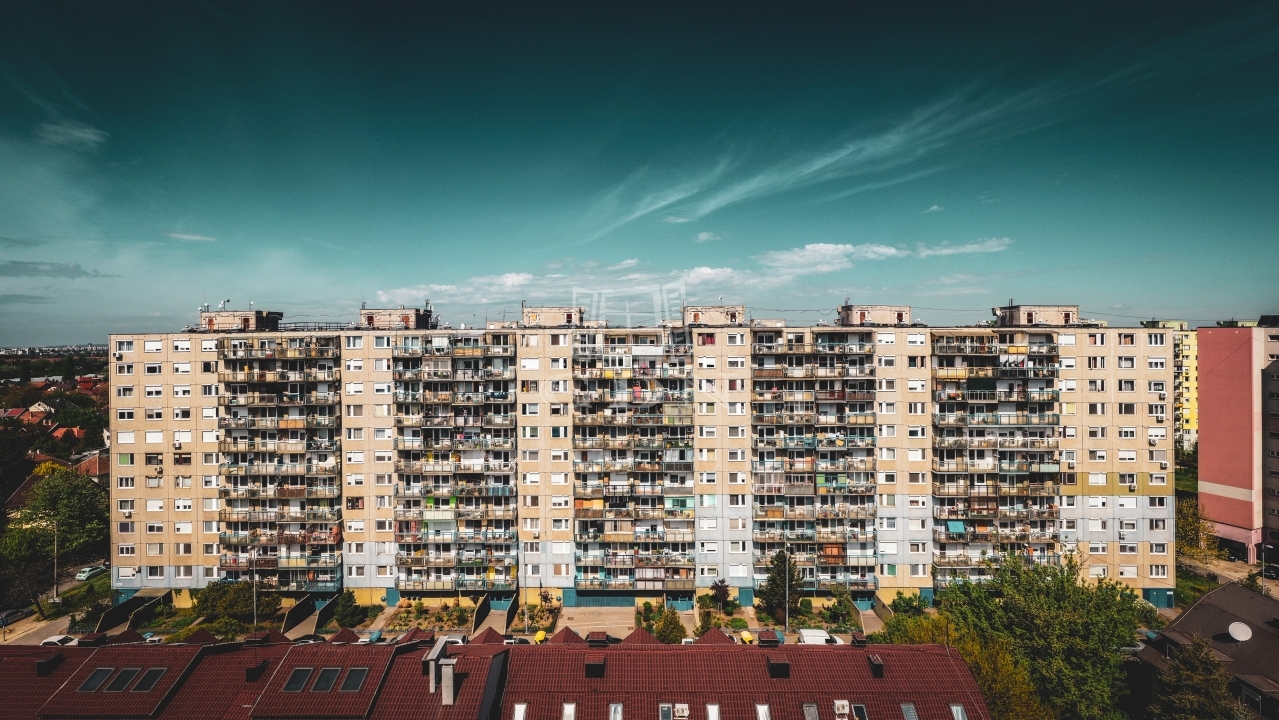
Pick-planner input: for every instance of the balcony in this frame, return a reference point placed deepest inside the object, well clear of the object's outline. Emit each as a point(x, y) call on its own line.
point(267, 446)
point(404, 584)
point(417, 466)
point(423, 374)
point(961, 465)
point(604, 584)
point(276, 469)
point(424, 560)
point(423, 491)
point(280, 353)
point(426, 514)
point(1014, 419)
point(247, 562)
point(860, 464)
point(965, 349)
point(310, 561)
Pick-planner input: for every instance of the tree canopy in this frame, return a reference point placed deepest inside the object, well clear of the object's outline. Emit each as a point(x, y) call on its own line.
point(1195, 687)
point(670, 629)
point(777, 590)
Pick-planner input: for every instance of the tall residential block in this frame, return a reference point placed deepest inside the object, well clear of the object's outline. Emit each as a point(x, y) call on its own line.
point(400, 457)
point(1185, 380)
point(1239, 432)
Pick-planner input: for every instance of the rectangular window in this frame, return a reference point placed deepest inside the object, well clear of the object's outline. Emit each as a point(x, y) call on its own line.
point(354, 342)
point(736, 362)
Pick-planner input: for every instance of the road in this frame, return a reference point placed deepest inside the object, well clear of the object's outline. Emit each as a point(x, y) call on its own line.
point(33, 630)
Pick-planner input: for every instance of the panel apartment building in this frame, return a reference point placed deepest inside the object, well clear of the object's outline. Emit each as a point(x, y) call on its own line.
point(399, 457)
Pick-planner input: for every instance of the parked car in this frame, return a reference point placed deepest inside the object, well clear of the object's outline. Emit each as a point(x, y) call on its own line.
point(9, 617)
point(1270, 572)
point(811, 636)
point(60, 640)
point(90, 572)
point(512, 640)
point(308, 639)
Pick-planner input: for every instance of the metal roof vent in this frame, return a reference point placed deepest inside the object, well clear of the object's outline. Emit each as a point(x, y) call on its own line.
point(778, 666)
point(876, 665)
point(595, 665)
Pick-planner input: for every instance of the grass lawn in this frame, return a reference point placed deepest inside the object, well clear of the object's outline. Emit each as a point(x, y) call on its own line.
point(1191, 586)
point(72, 599)
point(1187, 481)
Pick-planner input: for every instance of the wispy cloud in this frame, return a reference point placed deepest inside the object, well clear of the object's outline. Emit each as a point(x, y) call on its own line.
point(632, 262)
point(707, 236)
point(820, 258)
point(191, 237)
point(20, 242)
point(24, 299)
point(70, 133)
point(17, 268)
point(933, 209)
point(988, 245)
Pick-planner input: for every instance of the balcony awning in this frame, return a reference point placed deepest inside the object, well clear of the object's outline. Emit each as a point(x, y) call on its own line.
point(954, 526)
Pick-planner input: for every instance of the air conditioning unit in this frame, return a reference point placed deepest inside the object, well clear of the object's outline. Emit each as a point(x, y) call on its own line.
point(1163, 466)
point(1159, 418)
point(128, 513)
point(1153, 441)
point(177, 445)
point(1163, 396)
point(537, 535)
point(1071, 464)
point(681, 710)
point(119, 356)
point(841, 708)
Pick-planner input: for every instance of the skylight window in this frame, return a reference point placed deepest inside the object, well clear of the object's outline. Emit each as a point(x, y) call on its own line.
point(122, 680)
point(957, 712)
point(665, 712)
point(762, 713)
point(810, 711)
point(298, 680)
point(615, 711)
point(354, 680)
point(149, 679)
point(908, 711)
point(520, 710)
point(324, 683)
point(95, 679)
point(712, 712)
point(570, 711)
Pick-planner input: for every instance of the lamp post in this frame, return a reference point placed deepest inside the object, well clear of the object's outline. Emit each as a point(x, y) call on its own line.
point(253, 557)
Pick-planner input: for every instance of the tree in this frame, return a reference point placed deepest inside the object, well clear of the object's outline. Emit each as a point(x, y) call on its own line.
point(77, 507)
point(774, 595)
point(1067, 632)
point(347, 613)
point(234, 599)
point(1253, 583)
point(841, 609)
point(1004, 680)
point(909, 605)
point(26, 569)
point(1195, 533)
point(719, 591)
point(670, 629)
point(1195, 686)
point(704, 624)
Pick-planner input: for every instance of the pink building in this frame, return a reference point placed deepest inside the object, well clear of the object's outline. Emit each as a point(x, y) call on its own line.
point(1239, 433)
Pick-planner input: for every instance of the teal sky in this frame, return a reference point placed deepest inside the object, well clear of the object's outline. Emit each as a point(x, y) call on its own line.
point(309, 157)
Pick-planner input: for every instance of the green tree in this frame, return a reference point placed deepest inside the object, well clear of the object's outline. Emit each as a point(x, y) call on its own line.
point(782, 572)
point(347, 613)
point(26, 569)
point(909, 605)
point(704, 624)
point(1067, 632)
point(1196, 538)
point(841, 609)
point(73, 505)
point(234, 599)
point(1253, 583)
point(720, 592)
point(670, 629)
point(1195, 687)
point(1004, 679)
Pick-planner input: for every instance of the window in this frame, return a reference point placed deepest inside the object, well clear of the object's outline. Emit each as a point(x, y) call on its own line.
point(354, 342)
point(151, 346)
point(762, 713)
point(569, 712)
point(908, 712)
point(1158, 501)
point(95, 679)
point(149, 679)
point(1155, 363)
point(1097, 339)
point(1158, 571)
point(1097, 362)
point(957, 712)
point(706, 408)
point(1155, 339)
point(706, 362)
point(326, 679)
point(706, 431)
point(124, 346)
point(300, 676)
point(888, 408)
point(1158, 548)
point(886, 361)
point(736, 362)
point(127, 550)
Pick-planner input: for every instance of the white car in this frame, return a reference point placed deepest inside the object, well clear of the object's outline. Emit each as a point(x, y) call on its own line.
point(60, 640)
point(811, 636)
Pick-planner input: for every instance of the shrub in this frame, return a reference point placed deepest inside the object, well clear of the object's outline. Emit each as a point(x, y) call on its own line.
point(670, 629)
point(737, 623)
point(806, 606)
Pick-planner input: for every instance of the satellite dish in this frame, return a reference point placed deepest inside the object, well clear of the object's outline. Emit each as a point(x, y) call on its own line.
point(1240, 631)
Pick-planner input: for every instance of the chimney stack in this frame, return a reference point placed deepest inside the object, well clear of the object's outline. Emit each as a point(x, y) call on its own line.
point(446, 681)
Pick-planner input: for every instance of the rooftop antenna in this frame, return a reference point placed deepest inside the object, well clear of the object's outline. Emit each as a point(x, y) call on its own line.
point(1240, 632)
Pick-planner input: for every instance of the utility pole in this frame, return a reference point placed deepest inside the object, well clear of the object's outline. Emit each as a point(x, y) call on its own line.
point(787, 556)
point(253, 556)
point(55, 561)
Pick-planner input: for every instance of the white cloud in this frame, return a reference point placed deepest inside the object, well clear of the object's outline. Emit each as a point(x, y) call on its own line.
point(191, 237)
point(710, 276)
point(507, 280)
point(707, 236)
point(675, 219)
point(632, 262)
point(988, 245)
point(69, 133)
point(933, 209)
point(818, 258)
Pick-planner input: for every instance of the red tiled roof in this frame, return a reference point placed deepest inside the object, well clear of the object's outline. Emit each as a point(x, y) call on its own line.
point(640, 637)
point(597, 636)
point(425, 636)
point(68, 702)
point(488, 637)
point(345, 635)
point(566, 636)
point(94, 466)
point(406, 692)
point(267, 637)
point(714, 636)
point(218, 687)
point(128, 636)
point(22, 691)
point(274, 703)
